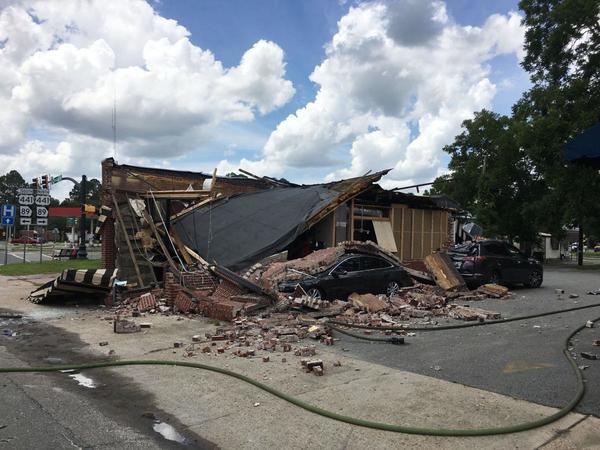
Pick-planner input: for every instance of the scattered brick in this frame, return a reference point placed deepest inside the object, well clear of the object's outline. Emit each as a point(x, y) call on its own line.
point(146, 302)
point(125, 326)
point(220, 337)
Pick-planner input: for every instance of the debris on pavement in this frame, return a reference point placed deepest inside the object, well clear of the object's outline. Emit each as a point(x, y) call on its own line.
point(469, 313)
point(589, 355)
point(368, 302)
point(121, 326)
point(72, 282)
point(493, 290)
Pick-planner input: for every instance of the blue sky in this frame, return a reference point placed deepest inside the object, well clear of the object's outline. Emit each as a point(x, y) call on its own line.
point(310, 90)
point(302, 29)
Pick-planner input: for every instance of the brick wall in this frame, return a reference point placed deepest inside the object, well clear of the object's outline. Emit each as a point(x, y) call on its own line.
point(199, 279)
point(109, 247)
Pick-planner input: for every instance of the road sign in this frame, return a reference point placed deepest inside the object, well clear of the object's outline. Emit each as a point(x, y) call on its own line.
point(71, 221)
point(41, 211)
point(9, 211)
point(25, 221)
point(42, 200)
point(25, 211)
point(56, 179)
point(25, 191)
point(40, 221)
point(6, 220)
point(26, 199)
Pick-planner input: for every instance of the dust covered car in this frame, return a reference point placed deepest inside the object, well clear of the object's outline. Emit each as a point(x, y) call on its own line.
point(353, 272)
point(493, 261)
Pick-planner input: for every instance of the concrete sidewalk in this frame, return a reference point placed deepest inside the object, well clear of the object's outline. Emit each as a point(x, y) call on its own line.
point(222, 410)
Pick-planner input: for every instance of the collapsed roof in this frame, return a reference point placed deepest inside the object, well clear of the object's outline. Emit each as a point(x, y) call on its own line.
point(242, 229)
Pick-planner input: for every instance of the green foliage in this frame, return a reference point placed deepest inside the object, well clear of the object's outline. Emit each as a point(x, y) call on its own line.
point(9, 183)
point(94, 194)
point(492, 177)
point(562, 41)
point(510, 172)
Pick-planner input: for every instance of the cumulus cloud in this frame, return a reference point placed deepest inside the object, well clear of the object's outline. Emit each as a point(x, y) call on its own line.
point(62, 64)
point(398, 79)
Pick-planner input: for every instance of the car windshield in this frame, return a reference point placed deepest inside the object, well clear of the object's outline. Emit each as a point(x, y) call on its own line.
point(351, 264)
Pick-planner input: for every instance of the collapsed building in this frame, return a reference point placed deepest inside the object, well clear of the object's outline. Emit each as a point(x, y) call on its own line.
point(191, 233)
point(237, 221)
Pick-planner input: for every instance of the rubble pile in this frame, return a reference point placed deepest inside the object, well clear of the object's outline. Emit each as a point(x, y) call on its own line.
point(227, 298)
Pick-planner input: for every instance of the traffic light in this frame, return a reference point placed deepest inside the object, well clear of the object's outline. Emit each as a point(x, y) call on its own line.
point(35, 183)
point(45, 181)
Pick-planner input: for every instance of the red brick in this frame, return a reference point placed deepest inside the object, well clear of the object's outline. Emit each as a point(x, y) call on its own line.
point(184, 303)
point(146, 302)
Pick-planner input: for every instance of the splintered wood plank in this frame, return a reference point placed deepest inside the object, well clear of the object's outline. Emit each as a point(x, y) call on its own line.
point(444, 273)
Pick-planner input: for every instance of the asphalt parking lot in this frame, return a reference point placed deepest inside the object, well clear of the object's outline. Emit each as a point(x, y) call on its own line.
point(522, 359)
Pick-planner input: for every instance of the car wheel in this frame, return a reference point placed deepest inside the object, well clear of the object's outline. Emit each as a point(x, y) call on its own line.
point(535, 279)
point(392, 288)
point(495, 277)
point(316, 293)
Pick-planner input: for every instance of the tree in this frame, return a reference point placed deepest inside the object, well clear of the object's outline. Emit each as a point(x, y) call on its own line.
point(9, 183)
point(563, 56)
point(492, 177)
point(562, 40)
point(93, 197)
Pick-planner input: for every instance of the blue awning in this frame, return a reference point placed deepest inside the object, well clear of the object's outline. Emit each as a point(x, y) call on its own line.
point(585, 148)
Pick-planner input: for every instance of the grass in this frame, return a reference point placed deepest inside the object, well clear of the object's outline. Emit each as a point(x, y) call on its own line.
point(32, 268)
point(591, 254)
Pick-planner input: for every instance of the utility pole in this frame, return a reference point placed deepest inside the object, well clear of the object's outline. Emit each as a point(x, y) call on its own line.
point(580, 244)
point(82, 252)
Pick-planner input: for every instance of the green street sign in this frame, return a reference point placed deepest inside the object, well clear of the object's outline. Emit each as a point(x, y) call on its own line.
point(71, 221)
point(56, 179)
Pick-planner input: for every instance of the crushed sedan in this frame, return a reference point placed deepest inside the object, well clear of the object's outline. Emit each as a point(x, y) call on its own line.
point(353, 272)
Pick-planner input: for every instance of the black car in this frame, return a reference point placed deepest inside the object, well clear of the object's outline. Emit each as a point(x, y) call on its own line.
point(353, 272)
point(492, 261)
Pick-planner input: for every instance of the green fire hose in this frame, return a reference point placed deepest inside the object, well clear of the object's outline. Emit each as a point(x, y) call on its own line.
point(340, 417)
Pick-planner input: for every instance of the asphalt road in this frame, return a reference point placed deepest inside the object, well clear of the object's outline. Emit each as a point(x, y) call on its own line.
point(522, 359)
point(68, 410)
